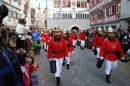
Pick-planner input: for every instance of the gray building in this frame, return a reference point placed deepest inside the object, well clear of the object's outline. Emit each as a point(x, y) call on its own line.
point(125, 14)
point(67, 14)
point(69, 24)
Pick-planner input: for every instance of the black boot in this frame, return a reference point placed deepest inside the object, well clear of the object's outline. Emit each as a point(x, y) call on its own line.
point(98, 59)
point(110, 73)
point(46, 50)
point(63, 64)
point(107, 78)
point(58, 81)
point(68, 67)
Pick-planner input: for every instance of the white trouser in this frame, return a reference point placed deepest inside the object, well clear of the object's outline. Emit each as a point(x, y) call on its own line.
point(109, 66)
point(98, 52)
point(74, 42)
point(45, 47)
point(82, 43)
point(68, 58)
point(58, 67)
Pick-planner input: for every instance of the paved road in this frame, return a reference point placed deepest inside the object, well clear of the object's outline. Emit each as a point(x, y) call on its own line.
point(83, 71)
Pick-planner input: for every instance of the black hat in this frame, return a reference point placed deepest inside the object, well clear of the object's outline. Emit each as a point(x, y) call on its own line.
point(3, 12)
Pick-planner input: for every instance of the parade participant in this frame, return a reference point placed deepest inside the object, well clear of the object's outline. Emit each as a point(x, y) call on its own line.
point(74, 37)
point(49, 37)
point(98, 39)
point(70, 47)
point(110, 49)
point(82, 38)
point(57, 49)
point(45, 34)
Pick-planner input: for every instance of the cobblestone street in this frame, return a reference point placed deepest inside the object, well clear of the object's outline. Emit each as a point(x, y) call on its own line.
point(82, 72)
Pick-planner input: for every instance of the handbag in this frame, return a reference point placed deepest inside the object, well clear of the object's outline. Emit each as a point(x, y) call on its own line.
point(99, 63)
point(95, 51)
point(53, 66)
point(118, 54)
point(34, 79)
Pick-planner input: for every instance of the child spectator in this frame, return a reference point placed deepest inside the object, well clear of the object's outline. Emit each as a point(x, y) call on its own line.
point(36, 47)
point(25, 69)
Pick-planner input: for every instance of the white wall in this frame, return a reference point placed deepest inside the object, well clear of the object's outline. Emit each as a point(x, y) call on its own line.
point(67, 23)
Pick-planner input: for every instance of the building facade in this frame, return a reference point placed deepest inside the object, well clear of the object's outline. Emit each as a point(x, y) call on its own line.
point(125, 14)
point(17, 9)
point(67, 14)
point(104, 13)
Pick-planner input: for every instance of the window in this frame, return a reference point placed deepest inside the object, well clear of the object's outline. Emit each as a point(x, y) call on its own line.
point(85, 4)
point(100, 13)
point(118, 7)
point(110, 10)
point(78, 4)
point(82, 4)
point(62, 15)
point(68, 4)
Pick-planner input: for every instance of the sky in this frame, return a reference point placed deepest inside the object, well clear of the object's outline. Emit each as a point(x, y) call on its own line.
point(35, 3)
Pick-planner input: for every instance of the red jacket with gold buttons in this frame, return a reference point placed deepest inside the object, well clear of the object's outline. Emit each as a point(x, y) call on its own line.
point(108, 49)
point(98, 41)
point(74, 36)
point(82, 36)
point(57, 49)
point(70, 46)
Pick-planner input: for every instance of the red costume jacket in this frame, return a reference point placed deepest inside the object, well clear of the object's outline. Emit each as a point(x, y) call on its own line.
point(57, 49)
point(70, 46)
point(108, 49)
point(74, 36)
point(48, 38)
point(82, 36)
point(98, 41)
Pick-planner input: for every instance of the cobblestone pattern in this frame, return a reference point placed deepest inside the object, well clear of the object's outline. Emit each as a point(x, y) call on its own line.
point(82, 72)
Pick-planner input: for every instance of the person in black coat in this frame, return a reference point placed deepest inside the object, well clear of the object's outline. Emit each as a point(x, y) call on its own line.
point(10, 69)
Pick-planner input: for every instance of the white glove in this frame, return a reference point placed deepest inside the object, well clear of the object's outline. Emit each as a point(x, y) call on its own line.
point(66, 57)
point(123, 58)
point(50, 59)
point(101, 58)
point(72, 52)
point(92, 47)
point(24, 71)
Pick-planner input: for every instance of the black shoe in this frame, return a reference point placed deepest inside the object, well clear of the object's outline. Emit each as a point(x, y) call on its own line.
point(68, 67)
point(74, 46)
point(110, 73)
point(80, 47)
point(58, 81)
point(107, 78)
point(98, 59)
point(46, 50)
point(63, 64)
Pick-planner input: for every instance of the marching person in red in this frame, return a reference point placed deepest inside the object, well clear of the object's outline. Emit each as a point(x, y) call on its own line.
point(70, 47)
point(45, 43)
point(98, 39)
point(82, 38)
point(74, 37)
point(49, 37)
point(57, 49)
point(110, 50)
